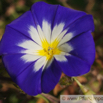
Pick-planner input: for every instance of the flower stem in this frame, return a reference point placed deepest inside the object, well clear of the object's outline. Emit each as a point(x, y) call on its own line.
point(84, 89)
point(77, 81)
point(48, 97)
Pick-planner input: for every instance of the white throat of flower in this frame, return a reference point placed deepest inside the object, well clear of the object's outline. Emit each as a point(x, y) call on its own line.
point(46, 44)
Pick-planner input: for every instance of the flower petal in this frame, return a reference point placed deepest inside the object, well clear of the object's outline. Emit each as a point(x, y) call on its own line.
point(63, 18)
point(17, 63)
point(67, 16)
point(80, 57)
point(81, 25)
point(56, 18)
point(25, 71)
point(34, 35)
point(47, 14)
point(73, 66)
point(30, 80)
point(50, 76)
point(83, 47)
point(45, 18)
point(30, 47)
point(46, 27)
point(17, 43)
point(66, 47)
point(25, 24)
point(57, 30)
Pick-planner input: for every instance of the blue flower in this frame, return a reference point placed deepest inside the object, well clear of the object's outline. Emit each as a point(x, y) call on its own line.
point(45, 41)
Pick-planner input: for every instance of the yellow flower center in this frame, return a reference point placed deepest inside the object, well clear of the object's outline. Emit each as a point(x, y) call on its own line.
point(49, 49)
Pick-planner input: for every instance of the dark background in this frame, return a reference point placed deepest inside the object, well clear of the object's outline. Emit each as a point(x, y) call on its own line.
point(11, 9)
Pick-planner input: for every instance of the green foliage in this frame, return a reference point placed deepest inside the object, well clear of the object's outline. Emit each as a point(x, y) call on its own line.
point(32, 101)
point(13, 99)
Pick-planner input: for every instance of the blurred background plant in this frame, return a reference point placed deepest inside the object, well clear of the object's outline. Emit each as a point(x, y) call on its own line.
point(11, 9)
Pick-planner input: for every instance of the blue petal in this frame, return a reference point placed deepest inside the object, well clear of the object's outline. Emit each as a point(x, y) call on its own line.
point(55, 14)
point(67, 16)
point(15, 64)
point(81, 25)
point(10, 40)
point(23, 23)
point(81, 57)
point(43, 11)
point(74, 66)
point(83, 47)
point(30, 81)
point(24, 73)
point(50, 77)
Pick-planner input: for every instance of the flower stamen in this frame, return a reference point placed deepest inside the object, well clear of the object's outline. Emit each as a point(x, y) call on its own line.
point(49, 50)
